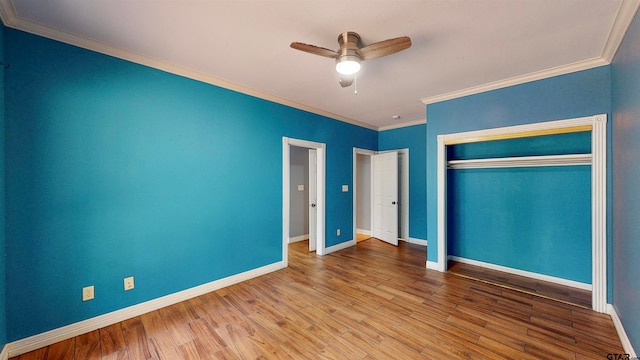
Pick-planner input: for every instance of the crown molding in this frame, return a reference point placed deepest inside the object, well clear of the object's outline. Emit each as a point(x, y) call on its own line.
point(12, 20)
point(402, 125)
point(7, 12)
point(621, 23)
point(517, 80)
point(624, 17)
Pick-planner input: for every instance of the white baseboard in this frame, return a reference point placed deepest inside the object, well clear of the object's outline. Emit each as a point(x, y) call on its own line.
point(553, 279)
point(4, 355)
point(434, 265)
point(363, 232)
point(624, 339)
point(298, 238)
point(340, 246)
point(66, 332)
point(416, 241)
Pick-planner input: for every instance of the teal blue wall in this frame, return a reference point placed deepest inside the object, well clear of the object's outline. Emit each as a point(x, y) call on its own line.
point(3, 311)
point(626, 168)
point(574, 95)
point(412, 138)
point(117, 169)
point(548, 211)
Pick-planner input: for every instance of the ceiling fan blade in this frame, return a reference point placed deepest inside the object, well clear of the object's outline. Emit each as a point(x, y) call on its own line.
point(346, 80)
point(316, 50)
point(383, 48)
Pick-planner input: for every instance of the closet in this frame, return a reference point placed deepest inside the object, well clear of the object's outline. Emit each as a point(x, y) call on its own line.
point(527, 202)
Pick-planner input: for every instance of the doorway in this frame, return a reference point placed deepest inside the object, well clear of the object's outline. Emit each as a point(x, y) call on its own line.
point(364, 185)
point(302, 195)
point(316, 202)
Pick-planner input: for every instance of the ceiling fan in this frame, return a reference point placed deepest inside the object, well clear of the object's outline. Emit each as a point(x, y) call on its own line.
point(350, 54)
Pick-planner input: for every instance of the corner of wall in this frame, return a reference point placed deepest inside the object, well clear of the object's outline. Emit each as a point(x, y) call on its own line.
point(3, 299)
point(622, 334)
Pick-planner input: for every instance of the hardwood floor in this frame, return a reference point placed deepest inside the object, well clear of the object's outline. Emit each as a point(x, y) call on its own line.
point(546, 289)
point(370, 301)
point(362, 237)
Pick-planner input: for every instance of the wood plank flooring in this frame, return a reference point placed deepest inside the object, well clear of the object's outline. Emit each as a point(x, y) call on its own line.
point(370, 301)
point(546, 289)
point(362, 237)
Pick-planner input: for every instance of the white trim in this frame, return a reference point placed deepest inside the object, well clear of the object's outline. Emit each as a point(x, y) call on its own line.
point(529, 274)
point(402, 125)
point(363, 232)
point(298, 238)
point(441, 192)
point(320, 188)
point(547, 125)
point(620, 26)
point(622, 334)
point(432, 265)
point(341, 246)
point(598, 192)
point(416, 241)
point(517, 80)
point(599, 213)
point(66, 332)
point(621, 23)
point(404, 196)
point(4, 355)
point(286, 199)
point(10, 19)
point(369, 153)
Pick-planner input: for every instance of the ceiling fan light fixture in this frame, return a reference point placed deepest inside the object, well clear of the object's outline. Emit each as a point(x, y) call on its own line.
point(348, 65)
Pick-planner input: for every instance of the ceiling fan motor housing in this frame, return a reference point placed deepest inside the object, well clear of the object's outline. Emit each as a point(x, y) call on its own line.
point(348, 54)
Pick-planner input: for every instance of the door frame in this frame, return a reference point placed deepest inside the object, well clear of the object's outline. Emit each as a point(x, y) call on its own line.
point(404, 197)
point(356, 152)
point(598, 125)
point(313, 202)
point(320, 193)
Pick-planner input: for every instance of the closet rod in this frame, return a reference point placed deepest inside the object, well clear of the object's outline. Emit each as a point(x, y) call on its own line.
point(521, 161)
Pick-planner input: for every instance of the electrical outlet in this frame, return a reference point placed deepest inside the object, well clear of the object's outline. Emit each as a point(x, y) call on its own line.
point(338, 232)
point(88, 293)
point(128, 283)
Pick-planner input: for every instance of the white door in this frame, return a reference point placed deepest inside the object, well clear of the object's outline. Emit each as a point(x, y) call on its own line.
point(385, 197)
point(313, 209)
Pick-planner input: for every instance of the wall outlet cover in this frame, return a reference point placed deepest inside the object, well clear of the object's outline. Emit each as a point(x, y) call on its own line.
point(88, 293)
point(128, 283)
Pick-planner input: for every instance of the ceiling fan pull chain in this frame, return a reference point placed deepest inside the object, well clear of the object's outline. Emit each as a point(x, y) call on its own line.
point(355, 84)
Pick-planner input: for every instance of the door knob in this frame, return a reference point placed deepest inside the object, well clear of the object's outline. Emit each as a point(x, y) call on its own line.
point(313, 205)
point(393, 203)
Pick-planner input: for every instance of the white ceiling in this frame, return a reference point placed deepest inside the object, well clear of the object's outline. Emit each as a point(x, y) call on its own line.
point(459, 46)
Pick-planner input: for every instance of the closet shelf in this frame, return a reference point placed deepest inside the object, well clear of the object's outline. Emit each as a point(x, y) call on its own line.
point(521, 161)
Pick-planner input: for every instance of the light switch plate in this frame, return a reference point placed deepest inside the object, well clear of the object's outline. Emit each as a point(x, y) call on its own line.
point(345, 188)
point(300, 187)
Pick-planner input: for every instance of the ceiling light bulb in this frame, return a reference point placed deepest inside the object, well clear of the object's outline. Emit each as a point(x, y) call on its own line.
point(348, 67)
